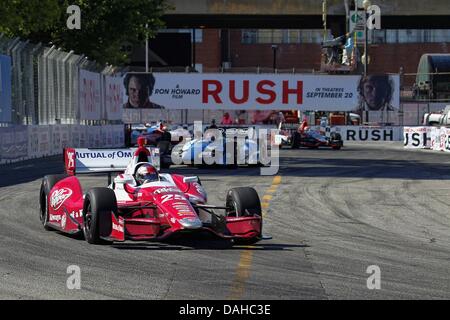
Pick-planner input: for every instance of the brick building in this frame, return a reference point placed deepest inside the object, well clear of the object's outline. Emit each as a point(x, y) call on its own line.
point(244, 34)
point(389, 51)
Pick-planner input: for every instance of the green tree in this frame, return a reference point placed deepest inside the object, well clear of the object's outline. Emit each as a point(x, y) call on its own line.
point(23, 17)
point(106, 25)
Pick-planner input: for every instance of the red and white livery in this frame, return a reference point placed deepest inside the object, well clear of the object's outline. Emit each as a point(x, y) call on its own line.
point(128, 209)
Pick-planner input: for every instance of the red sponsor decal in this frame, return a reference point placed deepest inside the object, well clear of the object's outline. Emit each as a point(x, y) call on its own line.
point(59, 196)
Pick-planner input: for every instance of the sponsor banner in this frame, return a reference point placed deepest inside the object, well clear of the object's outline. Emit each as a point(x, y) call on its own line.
point(113, 98)
point(257, 92)
point(44, 133)
point(33, 142)
point(442, 139)
point(5, 88)
point(90, 101)
point(363, 133)
point(118, 136)
point(437, 138)
point(91, 137)
point(447, 139)
point(155, 115)
point(65, 137)
point(13, 144)
point(417, 137)
point(84, 136)
point(75, 135)
point(21, 142)
point(105, 136)
point(55, 147)
point(102, 160)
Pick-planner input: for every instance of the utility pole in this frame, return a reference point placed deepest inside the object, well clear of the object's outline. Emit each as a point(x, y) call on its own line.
point(146, 50)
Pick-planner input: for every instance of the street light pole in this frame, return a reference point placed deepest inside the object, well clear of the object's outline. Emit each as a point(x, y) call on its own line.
point(366, 5)
point(146, 50)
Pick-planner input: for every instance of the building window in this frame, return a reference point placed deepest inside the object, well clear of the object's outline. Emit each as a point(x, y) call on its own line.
point(379, 36)
point(198, 33)
point(249, 36)
point(411, 36)
point(292, 36)
point(278, 36)
point(264, 36)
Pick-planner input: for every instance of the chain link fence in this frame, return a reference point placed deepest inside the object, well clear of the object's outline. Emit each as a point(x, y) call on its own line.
point(45, 83)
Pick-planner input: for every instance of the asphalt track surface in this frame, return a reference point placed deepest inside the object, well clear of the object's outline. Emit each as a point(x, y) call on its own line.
point(331, 214)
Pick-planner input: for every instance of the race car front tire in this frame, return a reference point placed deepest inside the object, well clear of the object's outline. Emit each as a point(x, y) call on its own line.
point(99, 204)
point(244, 202)
point(46, 186)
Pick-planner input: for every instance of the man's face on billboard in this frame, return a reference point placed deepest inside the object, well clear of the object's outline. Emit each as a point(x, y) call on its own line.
point(374, 94)
point(134, 87)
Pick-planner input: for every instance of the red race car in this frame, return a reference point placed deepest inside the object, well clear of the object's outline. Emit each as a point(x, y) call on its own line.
point(141, 203)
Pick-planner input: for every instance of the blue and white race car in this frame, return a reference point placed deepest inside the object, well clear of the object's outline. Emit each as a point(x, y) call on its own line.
point(211, 150)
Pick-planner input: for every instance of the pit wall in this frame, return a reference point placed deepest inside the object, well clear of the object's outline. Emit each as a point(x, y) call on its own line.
point(18, 143)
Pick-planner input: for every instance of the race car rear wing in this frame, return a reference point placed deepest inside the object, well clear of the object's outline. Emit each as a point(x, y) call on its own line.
point(82, 160)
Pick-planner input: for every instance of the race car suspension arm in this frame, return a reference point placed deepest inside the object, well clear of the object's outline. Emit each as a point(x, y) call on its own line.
point(218, 222)
point(147, 205)
point(205, 206)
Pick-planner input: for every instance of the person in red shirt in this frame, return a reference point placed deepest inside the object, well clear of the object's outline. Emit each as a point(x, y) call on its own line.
point(226, 119)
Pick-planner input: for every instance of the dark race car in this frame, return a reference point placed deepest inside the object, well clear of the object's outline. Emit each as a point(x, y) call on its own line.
point(314, 139)
point(308, 138)
point(155, 136)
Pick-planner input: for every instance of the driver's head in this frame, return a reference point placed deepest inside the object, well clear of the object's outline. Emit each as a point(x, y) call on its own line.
point(146, 173)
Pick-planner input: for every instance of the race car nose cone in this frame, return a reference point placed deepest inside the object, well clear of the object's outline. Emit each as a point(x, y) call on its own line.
point(191, 223)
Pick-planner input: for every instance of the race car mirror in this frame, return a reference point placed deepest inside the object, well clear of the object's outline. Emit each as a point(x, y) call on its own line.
point(124, 179)
point(190, 179)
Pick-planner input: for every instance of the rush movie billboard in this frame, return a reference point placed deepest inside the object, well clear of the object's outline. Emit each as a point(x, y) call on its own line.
point(306, 92)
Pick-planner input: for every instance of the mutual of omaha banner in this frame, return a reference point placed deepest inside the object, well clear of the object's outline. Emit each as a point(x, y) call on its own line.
point(260, 92)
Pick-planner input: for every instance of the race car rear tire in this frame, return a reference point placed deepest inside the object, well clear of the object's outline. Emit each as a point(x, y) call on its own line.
point(46, 186)
point(337, 140)
point(335, 136)
point(99, 204)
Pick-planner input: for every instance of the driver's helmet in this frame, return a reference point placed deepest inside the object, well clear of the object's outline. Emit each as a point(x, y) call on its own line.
point(146, 173)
